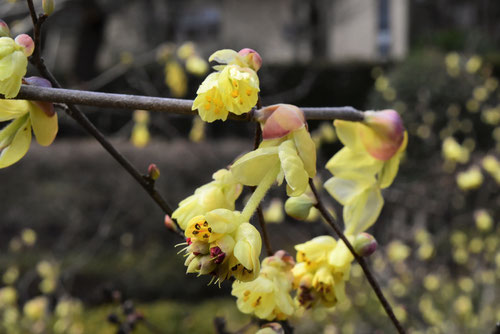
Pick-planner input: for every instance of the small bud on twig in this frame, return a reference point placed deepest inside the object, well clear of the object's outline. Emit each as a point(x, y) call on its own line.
point(169, 223)
point(153, 172)
point(4, 29)
point(48, 7)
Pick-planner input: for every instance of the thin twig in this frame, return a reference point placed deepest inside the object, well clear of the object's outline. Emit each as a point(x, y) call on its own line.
point(81, 119)
point(371, 279)
point(170, 105)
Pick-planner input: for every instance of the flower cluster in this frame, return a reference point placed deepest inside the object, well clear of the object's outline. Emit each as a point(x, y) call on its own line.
point(234, 87)
point(368, 163)
point(14, 55)
point(323, 266)
point(268, 296)
point(221, 244)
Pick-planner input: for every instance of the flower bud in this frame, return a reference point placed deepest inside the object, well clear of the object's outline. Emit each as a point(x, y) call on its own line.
point(193, 263)
point(252, 58)
point(279, 120)
point(364, 244)
point(48, 7)
point(4, 29)
point(384, 135)
point(153, 172)
point(299, 207)
point(170, 224)
point(27, 43)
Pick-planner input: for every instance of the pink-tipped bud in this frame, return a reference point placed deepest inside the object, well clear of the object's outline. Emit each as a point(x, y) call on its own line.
point(169, 223)
point(47, 107)
point(252, 58)
point(364, 244)
point(279, 120)
point(27, 43)
point(217, 254)
point(275, 327)
point(385, 134)
point(4, 29)
point(48, 7)
point(285, 257)
point(153, 172)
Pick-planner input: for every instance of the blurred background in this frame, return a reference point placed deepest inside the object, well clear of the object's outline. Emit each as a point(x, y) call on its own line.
point(83, 248)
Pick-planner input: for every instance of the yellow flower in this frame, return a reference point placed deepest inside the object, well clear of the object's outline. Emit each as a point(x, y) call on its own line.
point(175, 78)
point(323, 266)
point(220, 243)
point(220, 193)
point(35, 308)
point(288, 146)
point(368, 163)
point(140, 134)
point(233, 88)
point(13, 63)
point(15, 138)
point(268, 296)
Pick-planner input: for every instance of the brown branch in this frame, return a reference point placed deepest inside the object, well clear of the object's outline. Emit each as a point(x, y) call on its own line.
point(75, 113)
point(170, 105)
point(370, 277)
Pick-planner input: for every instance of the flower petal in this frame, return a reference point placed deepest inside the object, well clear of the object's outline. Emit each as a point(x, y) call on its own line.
point(45, 127)
point(251, 168)
point(10, 109)
point(344, 190)
point(348, 160)
point(363, 210)
point(306, 149)
point(296, 177)
point(15, 139)
point(348, 133)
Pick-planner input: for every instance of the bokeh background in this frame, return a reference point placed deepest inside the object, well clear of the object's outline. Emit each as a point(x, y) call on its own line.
point(79, 238)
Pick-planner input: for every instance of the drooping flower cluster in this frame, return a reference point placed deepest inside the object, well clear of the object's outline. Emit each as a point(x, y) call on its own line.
point(15, 138)
point(287, 151)
point(323, 266)
point(268, 296)
point(221, 244)
point(368, 163)
point(221, 193)
point(234, 87)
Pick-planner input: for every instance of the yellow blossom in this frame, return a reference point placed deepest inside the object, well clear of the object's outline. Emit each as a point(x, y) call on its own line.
point(222, 244)
point(35, 308)
point(323, 266)
point(233, 88)
point(453, 151)
point(268, 296)
point(361, 169)
point(220, 193)
point(290, 151)
point(175, 78)
point(13, 63)
point(140, 134)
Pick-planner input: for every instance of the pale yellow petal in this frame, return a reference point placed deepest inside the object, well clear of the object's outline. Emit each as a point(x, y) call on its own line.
point(19, 143)
point(251, 168)
point(45, 127)
point(363, 211)
point(348, 160)
point(344, 190)
point(306, 149)
point(296, 177)
point(348, 133)
point(10, 109)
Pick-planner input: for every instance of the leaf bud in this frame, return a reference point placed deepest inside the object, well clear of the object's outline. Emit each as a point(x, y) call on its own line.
point(48, 7)
point(153, 172)
point(299, 207)
point(364, 244)
point(4, 29)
